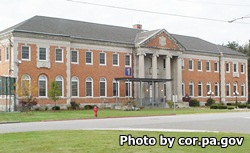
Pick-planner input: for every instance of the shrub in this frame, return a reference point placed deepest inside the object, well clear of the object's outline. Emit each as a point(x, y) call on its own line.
point(56, 108)
point(74, 105)
point(218, 106)
point(230, 107)
point(194, 103)
point(230, 104)
point(248, 106)
point(89, 107)
point(210, 101)
point(242, 106)
point(170, 104)
point(129, 103)
point(186, 98)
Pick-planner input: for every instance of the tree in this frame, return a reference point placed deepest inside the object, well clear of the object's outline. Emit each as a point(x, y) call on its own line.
point(54, 92)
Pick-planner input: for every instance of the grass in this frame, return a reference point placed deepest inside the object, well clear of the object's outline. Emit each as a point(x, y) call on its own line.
point(36, 116)
point(106, 142)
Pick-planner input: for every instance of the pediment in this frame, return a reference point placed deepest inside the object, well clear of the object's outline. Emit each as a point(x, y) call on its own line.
point(161, 39)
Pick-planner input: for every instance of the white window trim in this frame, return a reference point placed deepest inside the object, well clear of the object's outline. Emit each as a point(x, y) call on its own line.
point(77, 86)
point(22, 53)
point(243, 68)
point(91, 58)
point(192, 65)
point(183, 89)
point(228, 67)
point(198, 66)
point(182, 64)
point(46, 87)
point(105, 59)
point(7, 52)
point(191, 83)
point(62, 56)
point(201, 89)
point(130, 89)
point(244, 87)
point(218, 88)
point(105, 87)
point(129, 60)
point(77, 56)
point(39, 54)
point(210, 88)
point(118, 62)
point(209, 64)
point(217, 66)
point(237, 67)
point(228, 84)
point(92, 84)
point(118, 88)
point(62, 85)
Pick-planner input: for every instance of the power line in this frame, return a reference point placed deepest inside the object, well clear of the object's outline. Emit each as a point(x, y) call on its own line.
point(216, 3)
point(153, 12)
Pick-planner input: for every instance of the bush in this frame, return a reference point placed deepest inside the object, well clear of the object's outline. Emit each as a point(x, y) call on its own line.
point(194, 103)
point(218, 106)
point(129, 103)
point(56, 108)
point(210, 101)
point(242, 106)
point(230, 104)
point(230, 107)
point(170, 104)
point(248, 106)
point(186, 98)
point(74, 105)
point(87, 107)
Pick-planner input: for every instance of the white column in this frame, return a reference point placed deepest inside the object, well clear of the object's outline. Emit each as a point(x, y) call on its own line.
point(154, 66)
point(168, 76)
point(179, 79)
point(68, 73)
point(141, 74)
point(222, 79)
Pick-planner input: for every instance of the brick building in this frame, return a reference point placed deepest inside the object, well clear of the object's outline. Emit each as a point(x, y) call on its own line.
point(85, 59)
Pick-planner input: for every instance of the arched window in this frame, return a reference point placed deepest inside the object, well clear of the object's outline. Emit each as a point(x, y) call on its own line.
point(102, 87)
point(59, 81)
point(216, 89)
point(75, 87)
point(243, 89)
point(235, 87)
point(191, 88)
point(89, 87)
point(116, 88)
point(25, 85)
point(228, 89)
point(200, 89)
point(43, 87)
point(183, 89)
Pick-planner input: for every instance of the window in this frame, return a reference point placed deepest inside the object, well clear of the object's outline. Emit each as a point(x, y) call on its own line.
point(183, 88)
point(0, 55)
point(227, 67)
point(25, 85)
point(42, 84)
point(115, 88)
point(216, 67)
point(59, 55)
point(74, 56)
point(235, 87)
point(6, 53)
point(25, 53)
point(190, 65)
point(59, 81)
point(182, 64)
point(242, 68)
point(128, 89)
point(89, 87)
point(216, 89)
point(42, 54)
point(208, 87)
point(127, 60)
point(208, 66)
point(228, 89)
point(199, 65)
point(74, 87)
point(102, 87)
point(242, 89)
point(191, 88)
point(88, 58)
point(102, 58)
point(235, 67)
point(199, 89)
point(164, 63)
point(115, 59)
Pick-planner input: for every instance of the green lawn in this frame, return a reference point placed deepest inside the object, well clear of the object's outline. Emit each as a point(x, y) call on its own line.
point(83, 114)
point(107, 142)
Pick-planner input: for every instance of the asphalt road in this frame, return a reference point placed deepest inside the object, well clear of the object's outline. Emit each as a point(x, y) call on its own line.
point(237, 122)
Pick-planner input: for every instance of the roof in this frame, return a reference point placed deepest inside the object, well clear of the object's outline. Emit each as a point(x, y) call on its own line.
point(142, 79)
point(109, 33)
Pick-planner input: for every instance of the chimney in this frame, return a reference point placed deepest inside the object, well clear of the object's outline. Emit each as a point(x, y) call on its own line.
point(137, 26)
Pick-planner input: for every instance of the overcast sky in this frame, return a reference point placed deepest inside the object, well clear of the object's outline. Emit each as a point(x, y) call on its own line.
point(16, 11)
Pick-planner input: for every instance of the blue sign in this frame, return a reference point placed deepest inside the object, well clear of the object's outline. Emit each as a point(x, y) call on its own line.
point(128, 71)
